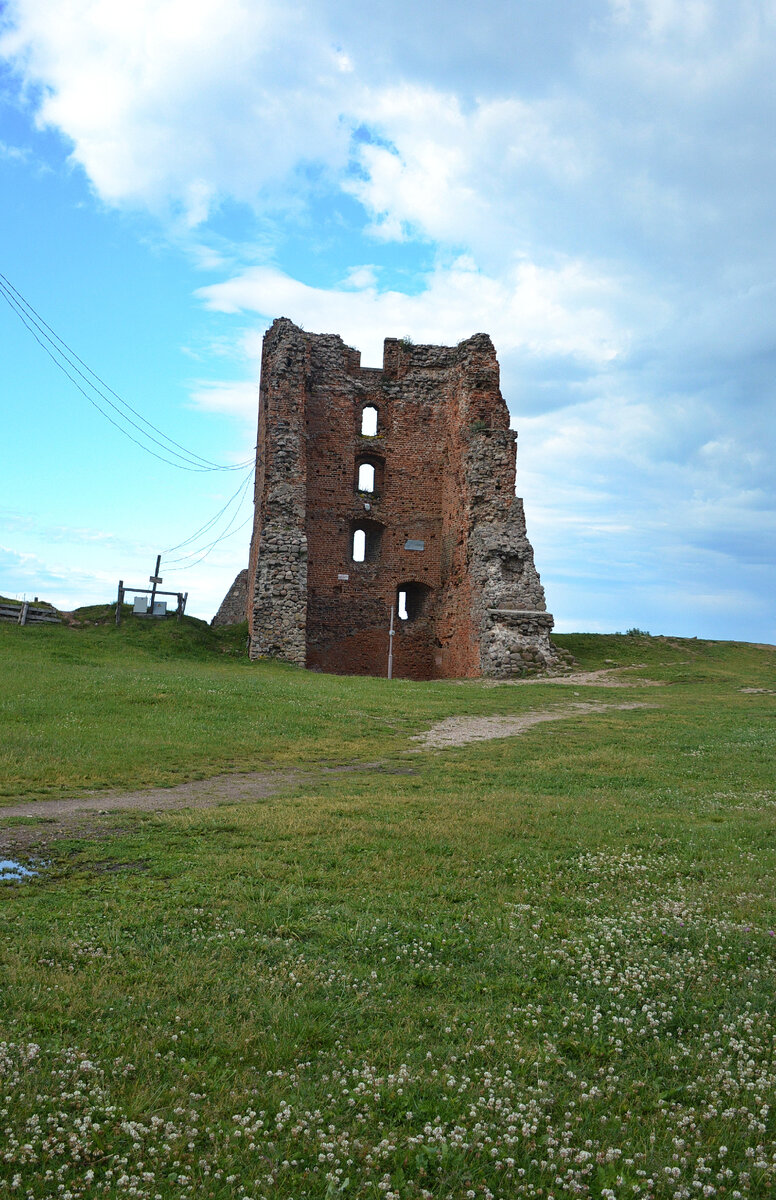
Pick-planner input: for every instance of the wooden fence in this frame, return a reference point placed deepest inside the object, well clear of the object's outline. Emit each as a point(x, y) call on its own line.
point(28, 614)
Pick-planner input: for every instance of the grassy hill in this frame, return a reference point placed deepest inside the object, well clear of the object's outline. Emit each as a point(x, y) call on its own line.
point(151, 703)
point(535, 966)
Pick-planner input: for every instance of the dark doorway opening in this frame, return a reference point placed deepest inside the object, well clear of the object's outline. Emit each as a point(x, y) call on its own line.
point(412, 600)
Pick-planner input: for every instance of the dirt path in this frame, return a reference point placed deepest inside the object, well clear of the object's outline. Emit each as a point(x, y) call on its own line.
point(89, 816)
point(457, 731)
point(33, 825)
point(198, 793)
point(607, 677)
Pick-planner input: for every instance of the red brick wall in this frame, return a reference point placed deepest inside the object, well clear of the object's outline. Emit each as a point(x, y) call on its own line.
point(436, 477)
point(418, 445)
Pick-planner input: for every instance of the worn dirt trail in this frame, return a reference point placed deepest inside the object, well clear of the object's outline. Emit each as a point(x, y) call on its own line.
point(606, 677)
point(457, 731)
point(197, 793)
point(37, 823)
point(90, 815)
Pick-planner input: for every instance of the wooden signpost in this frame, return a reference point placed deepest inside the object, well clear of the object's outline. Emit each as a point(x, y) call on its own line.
point(153, 592)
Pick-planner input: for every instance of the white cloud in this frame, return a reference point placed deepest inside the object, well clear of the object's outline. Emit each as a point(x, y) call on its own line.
point(181, 102)
point(463, 174)
point(360, 277)
point(20, 154)
point(59, 583)
point(235, 398)
point(545, 312)
point(594, 183)
point(661, 18)
point(191, 100)
point(648, 143)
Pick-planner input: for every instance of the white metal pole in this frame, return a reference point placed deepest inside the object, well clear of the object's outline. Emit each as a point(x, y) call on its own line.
point(390, 647)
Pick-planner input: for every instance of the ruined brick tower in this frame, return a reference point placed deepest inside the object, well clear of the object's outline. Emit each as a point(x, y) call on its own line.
point(393, 487)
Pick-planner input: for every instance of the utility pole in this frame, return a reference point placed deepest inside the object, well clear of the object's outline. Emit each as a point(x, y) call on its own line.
point(155, 579)
point(390, 647)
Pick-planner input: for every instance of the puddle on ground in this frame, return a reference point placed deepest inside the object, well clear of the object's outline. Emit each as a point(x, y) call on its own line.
point(12, 871)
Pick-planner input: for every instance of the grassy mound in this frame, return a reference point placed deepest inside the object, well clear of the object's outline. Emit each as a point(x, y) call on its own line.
point(155, 702)
point(162, 637)
point(534, 967)
point(18, 603)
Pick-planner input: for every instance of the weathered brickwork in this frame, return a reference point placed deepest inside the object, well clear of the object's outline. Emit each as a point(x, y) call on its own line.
point(443, 530)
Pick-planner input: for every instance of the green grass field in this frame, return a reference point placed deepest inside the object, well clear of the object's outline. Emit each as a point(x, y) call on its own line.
point(538, 966)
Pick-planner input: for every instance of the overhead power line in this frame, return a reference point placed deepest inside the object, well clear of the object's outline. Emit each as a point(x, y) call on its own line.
point(208, 550)
point(202, 551)
point(208, 524)
point(99, 392)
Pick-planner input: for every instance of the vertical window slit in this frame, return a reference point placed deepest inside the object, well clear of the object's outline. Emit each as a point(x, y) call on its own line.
point(366, 478)
point(369, 421)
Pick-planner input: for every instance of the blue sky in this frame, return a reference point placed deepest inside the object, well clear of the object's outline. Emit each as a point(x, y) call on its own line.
point(591, 183)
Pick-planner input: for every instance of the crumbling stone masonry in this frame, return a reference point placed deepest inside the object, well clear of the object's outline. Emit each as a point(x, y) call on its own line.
point(234, 606)
point(393, 487)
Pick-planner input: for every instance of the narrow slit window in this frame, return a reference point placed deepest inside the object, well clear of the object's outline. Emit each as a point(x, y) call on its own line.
point(365, 541)
point(369, 421)
point(403, 614)
point(366, 478)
